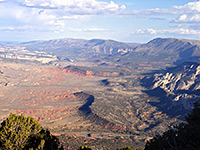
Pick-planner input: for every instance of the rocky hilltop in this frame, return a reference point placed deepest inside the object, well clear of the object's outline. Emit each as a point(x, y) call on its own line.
point(182, 78)
point(177, 87)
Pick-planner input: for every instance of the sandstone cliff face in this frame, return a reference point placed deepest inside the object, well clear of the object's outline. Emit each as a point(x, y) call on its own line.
point(183, 77)
point(181, 84)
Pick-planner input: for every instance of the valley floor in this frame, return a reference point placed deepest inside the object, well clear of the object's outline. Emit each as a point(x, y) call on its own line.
point(119, 114)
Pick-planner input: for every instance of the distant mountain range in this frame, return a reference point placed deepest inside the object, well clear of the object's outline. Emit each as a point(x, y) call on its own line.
point(72, 47)
point(160, 49)
point(165, 50)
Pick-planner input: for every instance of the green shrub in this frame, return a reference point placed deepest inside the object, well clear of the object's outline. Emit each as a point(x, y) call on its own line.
point(20, 132)
point(184, 136)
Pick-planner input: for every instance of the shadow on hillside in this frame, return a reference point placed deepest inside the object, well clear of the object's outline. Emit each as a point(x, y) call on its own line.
point(164, 103)
point(86, 107)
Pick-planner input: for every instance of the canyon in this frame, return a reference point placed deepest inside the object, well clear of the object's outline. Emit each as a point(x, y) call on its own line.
point(100, 93)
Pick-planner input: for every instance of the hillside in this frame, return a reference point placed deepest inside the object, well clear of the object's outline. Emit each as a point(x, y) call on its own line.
point(177, 88)
point(185, 77)
point(80, 47)
point(169, 50)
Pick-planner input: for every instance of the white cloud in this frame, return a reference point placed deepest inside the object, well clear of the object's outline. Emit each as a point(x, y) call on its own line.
point(145, 31)
point(88, 30)
point(189, 13)
point(188, 18)
point(14, 28)
point(148, 13)
point(80, 7)
point(183, 17)
point(60, 15)
point(191, 6)
point(54, 15)
point(180, 31)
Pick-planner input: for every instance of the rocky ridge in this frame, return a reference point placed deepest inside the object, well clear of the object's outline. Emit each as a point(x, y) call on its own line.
point(177, 87)
point(183, 77)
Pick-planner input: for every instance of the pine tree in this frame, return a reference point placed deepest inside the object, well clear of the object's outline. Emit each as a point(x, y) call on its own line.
point(20, 132)
point(184, 136)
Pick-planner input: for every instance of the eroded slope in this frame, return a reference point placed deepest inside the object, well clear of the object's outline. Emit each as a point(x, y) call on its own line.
point(177, 87)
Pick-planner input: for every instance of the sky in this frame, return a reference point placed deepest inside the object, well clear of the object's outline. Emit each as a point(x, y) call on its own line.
point(135, 21)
